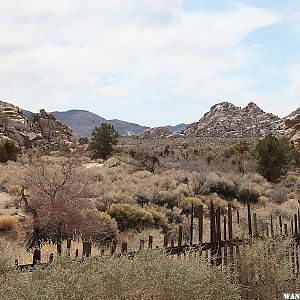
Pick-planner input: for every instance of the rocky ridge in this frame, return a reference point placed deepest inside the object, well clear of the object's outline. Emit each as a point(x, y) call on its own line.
point(227, 120)
point(156, 132)
point(41, 129)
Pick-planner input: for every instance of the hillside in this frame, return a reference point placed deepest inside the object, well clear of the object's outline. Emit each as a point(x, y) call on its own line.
point(227, 120)
point(83, 122)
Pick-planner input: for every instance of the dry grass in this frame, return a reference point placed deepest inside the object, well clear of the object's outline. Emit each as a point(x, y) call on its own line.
point(8, 223)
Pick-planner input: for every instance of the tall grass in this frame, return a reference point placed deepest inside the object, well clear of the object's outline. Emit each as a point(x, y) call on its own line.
point(148, 276)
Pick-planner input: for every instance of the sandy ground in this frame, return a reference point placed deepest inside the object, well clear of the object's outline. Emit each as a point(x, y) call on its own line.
point(93, 165)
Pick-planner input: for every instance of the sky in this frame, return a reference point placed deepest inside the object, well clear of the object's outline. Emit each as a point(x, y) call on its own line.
point(152, 62)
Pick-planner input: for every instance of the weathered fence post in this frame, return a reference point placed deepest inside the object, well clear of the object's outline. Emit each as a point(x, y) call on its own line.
point(36, 256)
point(249, 213)
point(142, 245)
point(296, 224)
point(255, 225)
point(58, 248)
point(192, 225)
point(124, 247)
point(285, 229)
point(86, 248)
point(238, 217)
point(272, 227)
point(200, 224)
point(280, 225)
point(166, 240)
point(113, 247)
point(179, 239)
point(69, 247)
point(218, 236)
point(230, 221)
point(224, 228)
point(150, 242)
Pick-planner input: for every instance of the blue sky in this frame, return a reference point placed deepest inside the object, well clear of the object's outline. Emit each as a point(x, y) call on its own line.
point(153, 62)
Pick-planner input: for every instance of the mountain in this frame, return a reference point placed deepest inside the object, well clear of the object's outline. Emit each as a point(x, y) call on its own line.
point(227, 120)
point(83, 122)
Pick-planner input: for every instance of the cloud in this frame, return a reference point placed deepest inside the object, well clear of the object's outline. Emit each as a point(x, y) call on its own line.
point(117, 57)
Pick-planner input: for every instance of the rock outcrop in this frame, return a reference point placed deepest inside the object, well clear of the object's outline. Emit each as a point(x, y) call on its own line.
point(227, 120)
point(156, 132)
point(40, 129)
point(290, 128)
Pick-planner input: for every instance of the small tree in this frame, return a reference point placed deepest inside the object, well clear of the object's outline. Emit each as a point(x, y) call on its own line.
point(103, 140)
point(272, 156)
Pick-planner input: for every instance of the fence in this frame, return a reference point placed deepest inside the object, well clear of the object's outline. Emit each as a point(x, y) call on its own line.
point(222, 248)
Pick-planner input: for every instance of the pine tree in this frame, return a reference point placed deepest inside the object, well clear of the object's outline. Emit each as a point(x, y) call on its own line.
point(102, 141)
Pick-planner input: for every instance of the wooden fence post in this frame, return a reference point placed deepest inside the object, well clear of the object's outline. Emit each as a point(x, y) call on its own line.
point(292, 227)
point(58, 248)
point(296, 224)
point(200, 224)
point(255, 225)
point(142, 244)
point(285, 229)
point(192, 225)
point(86, 249)
point(69, 246)
point(299, 221)
point(179, 239)
point(249, 213)
point(230, 221)
point(218, 236)
point(166, 240)
point(36, 256)
point(280, 225)
point(150, 242)
point(224, 227)
point(238, 217)
point(212, 223)
point(124, 247)
point(272, 227)
point(113, 247)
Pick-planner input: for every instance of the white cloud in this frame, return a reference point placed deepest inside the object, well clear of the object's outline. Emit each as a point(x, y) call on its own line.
point(112, 55)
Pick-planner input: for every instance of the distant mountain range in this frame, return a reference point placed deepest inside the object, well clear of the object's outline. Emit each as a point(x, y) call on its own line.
point(82, 122)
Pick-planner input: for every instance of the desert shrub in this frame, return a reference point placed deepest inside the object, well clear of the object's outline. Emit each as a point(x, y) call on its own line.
point(158, 215)
point(278, 194)
point(186, 203)
point(150, 275)
point(263, 200)
point(266, 271)
point(14, 190)
point(252, 193)
point(98, 226)
point(130, 216)
point(6, 258)
point(174, 215)
point(8, 223)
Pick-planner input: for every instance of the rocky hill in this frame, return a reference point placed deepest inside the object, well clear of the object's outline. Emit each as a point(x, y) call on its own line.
point(41, 129)
point(290, 127)
point(156, 132)
point(83, 122)
point(227, 120)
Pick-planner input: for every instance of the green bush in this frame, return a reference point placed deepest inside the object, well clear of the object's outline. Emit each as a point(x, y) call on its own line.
point(272, 156)
point(131, 216)
point(149, 275)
